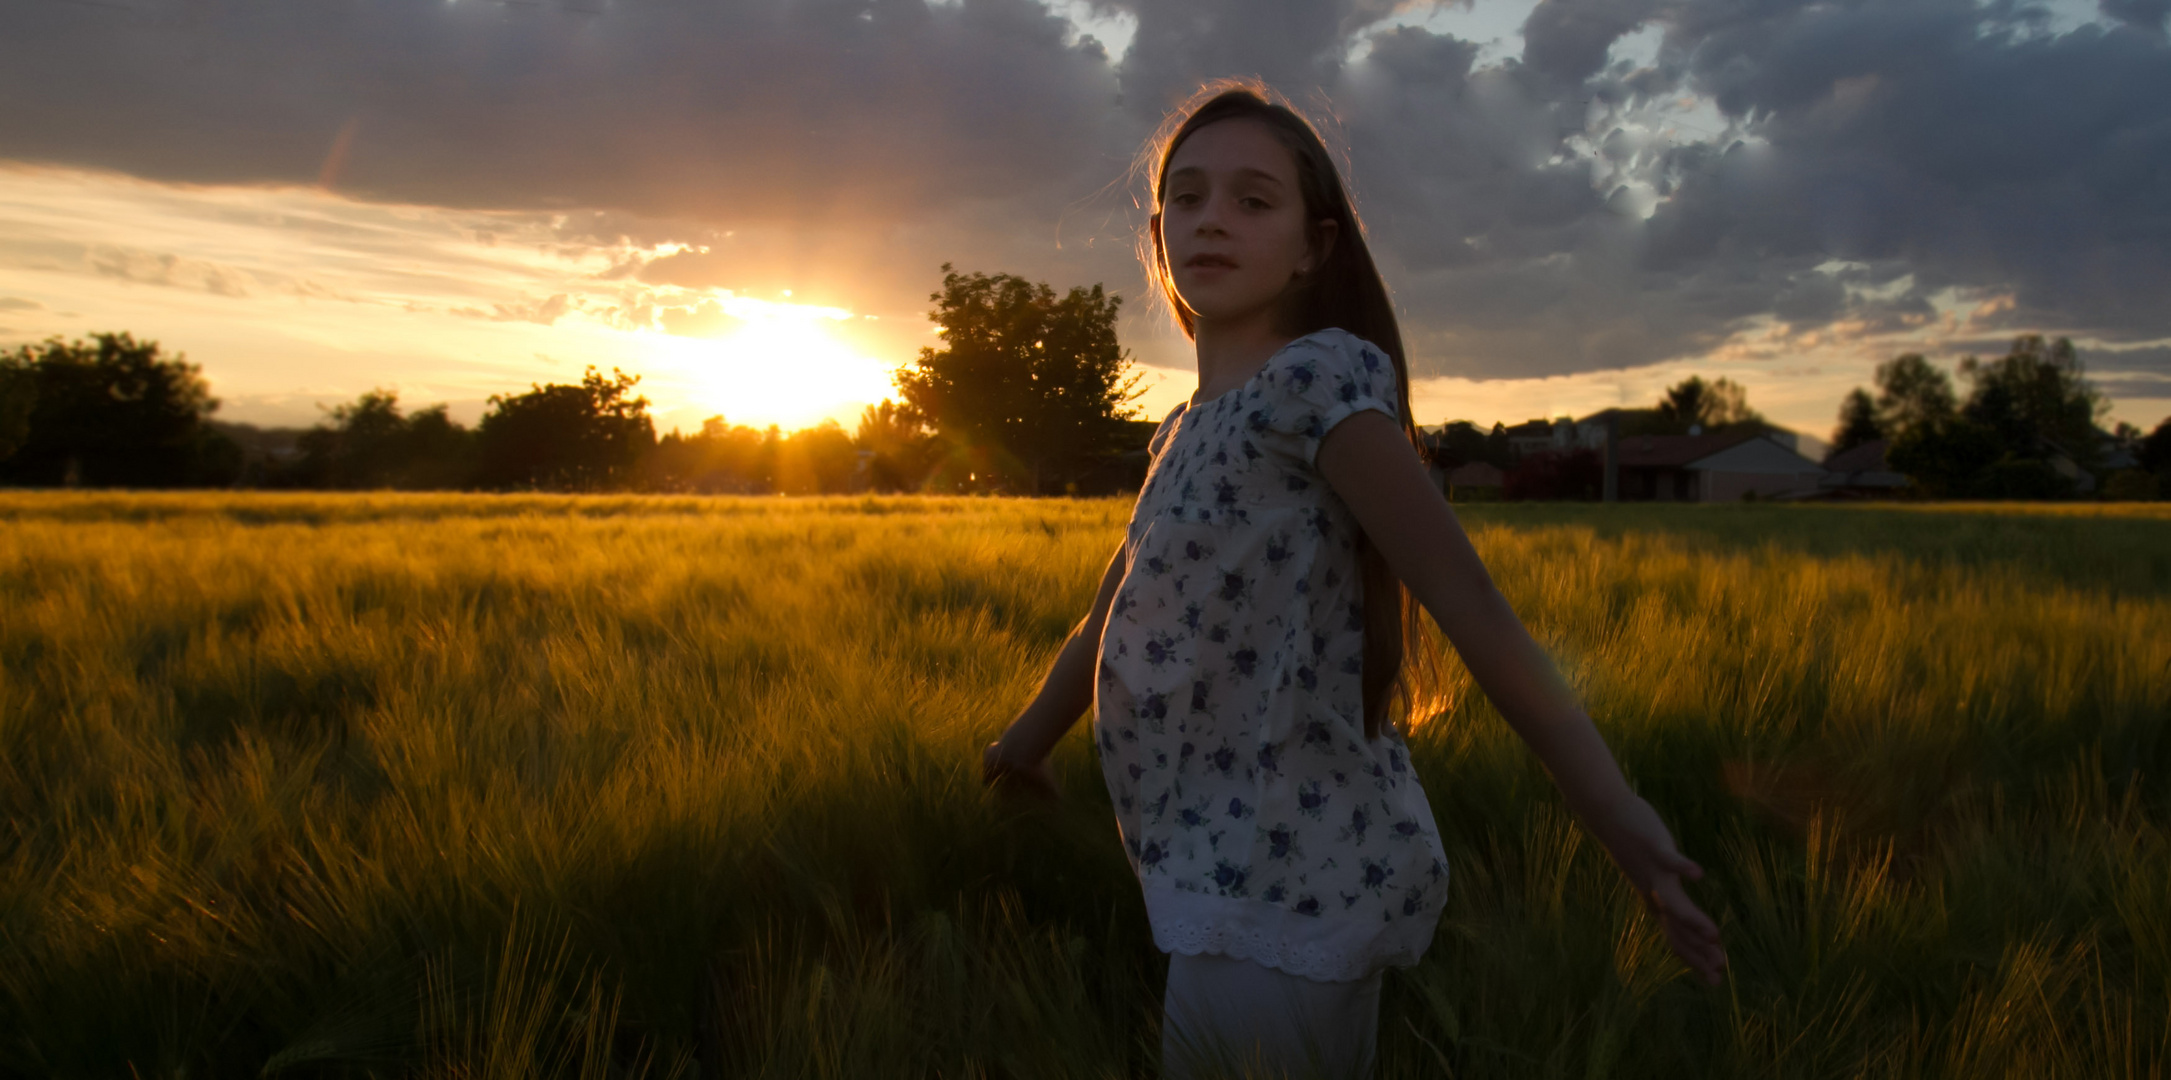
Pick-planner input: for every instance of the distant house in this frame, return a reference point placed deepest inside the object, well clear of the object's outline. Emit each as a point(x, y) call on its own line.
point(1725, 467)
point(1557, 436)
point(1808, 446)
point(2116, 453)
point(1761, 461)
point(1862, 472)
point(1530, 438)
point(2083, 481)
point(1475, 482)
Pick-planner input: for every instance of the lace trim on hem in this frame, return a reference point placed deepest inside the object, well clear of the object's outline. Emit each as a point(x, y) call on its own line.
point(1314, 964)
point(1313, 947)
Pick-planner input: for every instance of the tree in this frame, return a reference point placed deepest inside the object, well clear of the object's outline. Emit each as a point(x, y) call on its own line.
point(1857, 421)
point(2155, 453)
point(18, 392)
point(586, 437)
point(110, 412)
point(438, 452)
point(817, 460)
point(720, 457)
point(902, 448)
point(1945, 456)
point(2022, 411)
point(1461, 442)
point(367, 443)
point(2037, 399)
point(1705, 406)
point(1910, 394)
point(1029, 386)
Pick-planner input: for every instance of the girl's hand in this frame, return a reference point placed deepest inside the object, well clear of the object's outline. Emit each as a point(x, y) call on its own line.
point(1640, 845)
point(1000, 771)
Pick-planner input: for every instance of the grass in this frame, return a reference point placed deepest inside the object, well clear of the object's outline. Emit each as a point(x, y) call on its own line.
point(505, 786)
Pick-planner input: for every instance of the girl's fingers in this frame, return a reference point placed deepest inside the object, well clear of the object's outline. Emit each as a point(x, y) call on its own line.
point(1696, 943)
point(1706, 959)
point(1037, 779)
point(1674, 903)
point(1691, 933)
point(1647, 852)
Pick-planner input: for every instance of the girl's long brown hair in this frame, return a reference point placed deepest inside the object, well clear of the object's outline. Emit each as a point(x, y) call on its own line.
point(1346, 292)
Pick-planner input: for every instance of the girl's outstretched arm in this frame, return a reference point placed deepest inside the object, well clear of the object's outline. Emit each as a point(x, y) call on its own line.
point(1021, 756)
point(1373, 468)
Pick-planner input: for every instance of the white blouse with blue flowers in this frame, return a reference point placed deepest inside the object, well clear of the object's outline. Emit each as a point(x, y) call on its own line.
point(1229, 707)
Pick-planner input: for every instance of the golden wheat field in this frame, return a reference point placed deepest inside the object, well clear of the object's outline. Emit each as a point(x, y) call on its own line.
point(511, 786)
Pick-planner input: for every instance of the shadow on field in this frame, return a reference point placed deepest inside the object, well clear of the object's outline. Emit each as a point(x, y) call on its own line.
point(2116, 550)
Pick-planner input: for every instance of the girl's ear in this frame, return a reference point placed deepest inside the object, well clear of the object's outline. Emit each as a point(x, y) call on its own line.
point(1324, 232)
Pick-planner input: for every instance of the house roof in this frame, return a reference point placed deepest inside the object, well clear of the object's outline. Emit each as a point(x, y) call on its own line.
point(1624, 414)
point(1767, 456)
point(1868, 457)
point(1675, 451)
point(1477, 474)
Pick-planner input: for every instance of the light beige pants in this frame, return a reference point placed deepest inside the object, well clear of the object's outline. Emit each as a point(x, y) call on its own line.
point(1234, 1018)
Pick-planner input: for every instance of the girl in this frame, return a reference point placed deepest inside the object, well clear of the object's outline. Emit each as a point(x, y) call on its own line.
point(1246, 645)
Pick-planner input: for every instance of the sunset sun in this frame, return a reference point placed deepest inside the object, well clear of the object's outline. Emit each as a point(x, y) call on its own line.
point(776, 362)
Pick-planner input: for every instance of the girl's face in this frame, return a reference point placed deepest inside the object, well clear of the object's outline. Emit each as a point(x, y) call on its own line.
point(1232, 223)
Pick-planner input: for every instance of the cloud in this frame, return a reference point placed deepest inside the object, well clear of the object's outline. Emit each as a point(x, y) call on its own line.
point(2145, 15)
point(173, 271)
point(722, 112)
point(1649, 181)
point(542, 312)
point(17, 303)
point(1937, 135)
point(705, 319)
point(1968, 151)
point(2148, 360)
point(1568, 40)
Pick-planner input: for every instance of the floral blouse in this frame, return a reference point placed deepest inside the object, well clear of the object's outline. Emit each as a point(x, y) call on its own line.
point(1228, 705)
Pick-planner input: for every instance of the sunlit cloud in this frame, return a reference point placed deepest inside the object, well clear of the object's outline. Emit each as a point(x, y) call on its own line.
point(295, 297)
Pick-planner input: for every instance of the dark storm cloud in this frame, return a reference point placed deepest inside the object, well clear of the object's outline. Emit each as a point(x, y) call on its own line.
point(721, 112)
point(2140, 14)
point(1292, 44)
point(1940, 135)
point(1568, 40)
point(1923, 144)
point(2151, 360)
point(1557, 212)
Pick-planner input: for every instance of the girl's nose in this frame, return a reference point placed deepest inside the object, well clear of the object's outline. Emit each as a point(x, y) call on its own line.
point(1210, 218)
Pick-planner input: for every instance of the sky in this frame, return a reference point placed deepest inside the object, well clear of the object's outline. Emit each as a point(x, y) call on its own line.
point(748, 203)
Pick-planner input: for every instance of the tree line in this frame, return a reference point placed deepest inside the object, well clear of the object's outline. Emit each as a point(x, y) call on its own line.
point(1028, 394)
point(2024, 415)
point(2027, 427)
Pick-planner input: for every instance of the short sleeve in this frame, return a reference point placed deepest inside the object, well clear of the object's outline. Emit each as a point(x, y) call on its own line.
point(1326, 379)
point(1160, 434)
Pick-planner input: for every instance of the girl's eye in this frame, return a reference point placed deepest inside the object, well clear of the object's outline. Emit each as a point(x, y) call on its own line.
point(1253, 202)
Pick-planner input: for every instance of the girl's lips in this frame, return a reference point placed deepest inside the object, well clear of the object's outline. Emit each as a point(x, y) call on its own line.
point(1212, 262)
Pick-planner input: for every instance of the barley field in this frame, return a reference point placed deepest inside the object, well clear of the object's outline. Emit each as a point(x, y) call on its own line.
point(460, 786)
